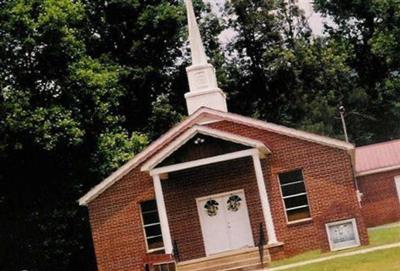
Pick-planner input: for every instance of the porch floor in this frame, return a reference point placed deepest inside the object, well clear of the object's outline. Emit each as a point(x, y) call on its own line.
point(242, 259)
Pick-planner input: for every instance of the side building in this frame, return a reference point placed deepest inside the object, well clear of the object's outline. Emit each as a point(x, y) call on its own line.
point(378, 178)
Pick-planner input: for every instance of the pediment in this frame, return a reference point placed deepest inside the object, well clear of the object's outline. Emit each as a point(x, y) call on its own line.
point(201, 142)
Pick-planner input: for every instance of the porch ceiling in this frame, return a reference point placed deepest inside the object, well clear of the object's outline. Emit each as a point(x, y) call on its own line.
point(195, 130)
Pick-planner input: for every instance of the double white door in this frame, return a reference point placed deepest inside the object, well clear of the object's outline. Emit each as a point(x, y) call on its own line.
point(225, 222)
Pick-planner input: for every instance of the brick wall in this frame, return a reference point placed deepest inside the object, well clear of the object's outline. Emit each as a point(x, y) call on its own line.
point(380, 202)
point(329, 182)
point(115, 218)
point(116, 224)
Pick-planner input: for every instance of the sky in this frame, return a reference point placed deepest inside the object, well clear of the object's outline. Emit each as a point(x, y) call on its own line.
point(314, 19)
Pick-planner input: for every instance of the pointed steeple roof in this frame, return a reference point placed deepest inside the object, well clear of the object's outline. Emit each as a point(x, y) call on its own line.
point(196, 44)
point(204, 91)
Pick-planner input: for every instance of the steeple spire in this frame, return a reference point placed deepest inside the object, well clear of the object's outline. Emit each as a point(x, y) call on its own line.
point(204, 91)
point(196, 44)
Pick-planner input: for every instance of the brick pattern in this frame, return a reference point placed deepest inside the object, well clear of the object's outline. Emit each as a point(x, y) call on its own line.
point(115, 219)
point(380, 201)
point(329, 181)
point(115, 215)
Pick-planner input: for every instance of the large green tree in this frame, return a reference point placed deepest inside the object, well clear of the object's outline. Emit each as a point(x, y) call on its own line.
point(278, 72)
point(78, 79)
point(369, 31)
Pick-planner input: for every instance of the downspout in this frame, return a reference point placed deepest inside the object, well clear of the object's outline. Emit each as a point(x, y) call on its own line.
point(359, 195)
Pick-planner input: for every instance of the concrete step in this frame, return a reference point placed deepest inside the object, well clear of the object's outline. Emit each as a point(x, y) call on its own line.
point(248, 262)
point(249, 267)
point(243, 260)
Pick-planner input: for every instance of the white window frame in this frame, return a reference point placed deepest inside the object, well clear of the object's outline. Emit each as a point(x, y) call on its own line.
point(356, 235)
point(146, 238)
point(294, 195)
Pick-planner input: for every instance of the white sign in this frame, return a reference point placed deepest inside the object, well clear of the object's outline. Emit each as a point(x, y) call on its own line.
point(343, 234)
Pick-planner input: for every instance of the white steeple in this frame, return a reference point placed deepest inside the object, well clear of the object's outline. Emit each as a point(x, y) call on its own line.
point(203, 84)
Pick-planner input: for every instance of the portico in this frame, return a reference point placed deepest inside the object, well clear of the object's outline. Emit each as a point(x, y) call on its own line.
point(194, 150)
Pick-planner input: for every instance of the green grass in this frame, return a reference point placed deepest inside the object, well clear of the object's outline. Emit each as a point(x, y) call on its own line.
point(384, 260)
point(377, 237)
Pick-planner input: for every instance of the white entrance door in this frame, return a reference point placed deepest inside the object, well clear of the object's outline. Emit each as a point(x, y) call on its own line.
point(225, 222)
point(397, 181)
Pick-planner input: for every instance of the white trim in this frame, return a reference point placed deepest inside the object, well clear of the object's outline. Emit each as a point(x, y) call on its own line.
point(154, 236)
point(162, 212)
point(297, 207)
point(279, 129)
point(287, 184)
point(204, 161)
point(199, 116)
point(378, 170)
point(397, 186)
point(155, 249)
point(355, 229)
point(295, 195)
point(189, 134)
point(220, 195)
point(299, 221)
point(137, 159)
point(151, 224)
point(208, 122)
point(266, 208)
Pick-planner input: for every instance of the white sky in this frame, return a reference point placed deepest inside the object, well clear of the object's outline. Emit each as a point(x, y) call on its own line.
point(314, 19)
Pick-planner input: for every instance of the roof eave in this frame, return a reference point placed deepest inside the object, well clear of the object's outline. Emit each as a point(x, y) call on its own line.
point(377, 170)
point(217, 115)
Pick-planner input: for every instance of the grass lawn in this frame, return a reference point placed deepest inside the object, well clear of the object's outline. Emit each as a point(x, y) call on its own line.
point(377, 237)
point(384, 236)
point(384, 260)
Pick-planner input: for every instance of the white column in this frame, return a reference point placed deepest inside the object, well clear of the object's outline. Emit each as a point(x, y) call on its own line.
point(162, 212)
point(266, 208)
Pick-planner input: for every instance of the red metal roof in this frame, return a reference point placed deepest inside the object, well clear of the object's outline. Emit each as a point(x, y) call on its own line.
point(377, 156)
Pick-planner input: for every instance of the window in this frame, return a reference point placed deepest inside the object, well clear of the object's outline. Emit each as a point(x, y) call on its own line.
point(294, 195)
point(152, 227)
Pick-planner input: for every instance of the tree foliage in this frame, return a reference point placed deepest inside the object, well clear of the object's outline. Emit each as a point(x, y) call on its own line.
point(370, 33)
point(77, 79)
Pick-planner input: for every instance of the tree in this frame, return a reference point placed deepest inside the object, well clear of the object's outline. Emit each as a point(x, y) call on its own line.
point(278, 72)
point(370, 33)
point(77, 82)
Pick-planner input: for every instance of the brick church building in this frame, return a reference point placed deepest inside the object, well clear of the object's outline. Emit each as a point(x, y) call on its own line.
point(221, 191)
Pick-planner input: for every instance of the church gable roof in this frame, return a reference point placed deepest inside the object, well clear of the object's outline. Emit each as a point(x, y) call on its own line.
point(201, 117)
point(203, 130)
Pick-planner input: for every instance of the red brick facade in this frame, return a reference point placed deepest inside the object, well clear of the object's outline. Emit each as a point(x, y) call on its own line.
point(380, 201)
point(329, 181)
point(115, 217)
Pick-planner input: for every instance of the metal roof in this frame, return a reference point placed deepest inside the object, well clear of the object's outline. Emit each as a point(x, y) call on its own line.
point(377, 157)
